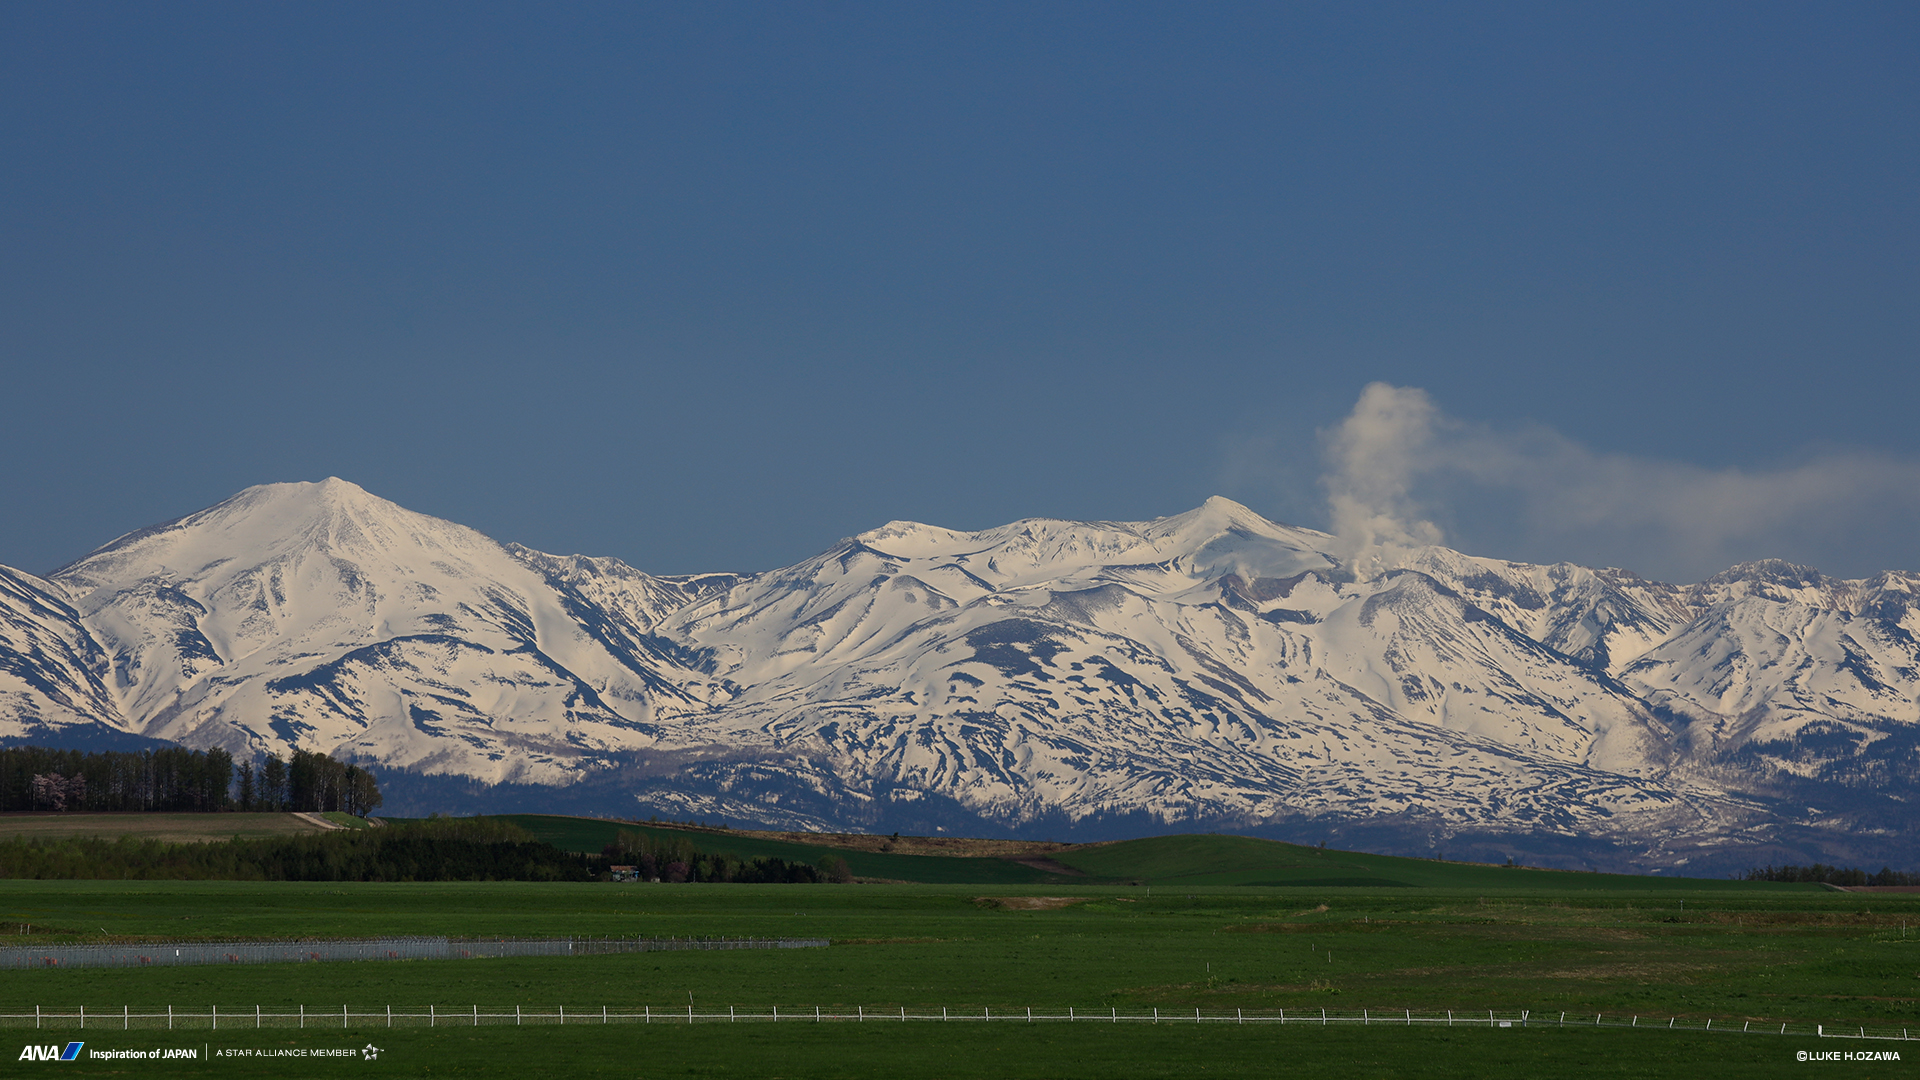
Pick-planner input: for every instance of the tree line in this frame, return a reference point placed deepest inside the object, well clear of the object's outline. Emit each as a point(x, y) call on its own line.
point(1820, 873)
point(675, 859)
point(176, 779)
point(432, 849)
point(310, 782)
point(435, 849)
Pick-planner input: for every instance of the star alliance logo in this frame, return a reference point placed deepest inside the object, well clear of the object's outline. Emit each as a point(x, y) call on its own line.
point(370, 1053)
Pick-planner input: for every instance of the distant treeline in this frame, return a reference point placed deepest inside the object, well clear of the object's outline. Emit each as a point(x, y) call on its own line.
point(435, 849)
point(1821, 874)
point(174, 779)
point(169, 779)
point(677, 860)
point(311, 783)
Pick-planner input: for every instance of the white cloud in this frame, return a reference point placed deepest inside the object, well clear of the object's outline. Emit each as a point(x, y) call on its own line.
point(1375, 458)
point(1398, 464)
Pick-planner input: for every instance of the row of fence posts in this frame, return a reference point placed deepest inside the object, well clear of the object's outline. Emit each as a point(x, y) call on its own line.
point(433, 1015)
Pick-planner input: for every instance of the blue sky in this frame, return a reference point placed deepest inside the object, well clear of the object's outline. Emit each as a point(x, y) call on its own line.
point(710, 286)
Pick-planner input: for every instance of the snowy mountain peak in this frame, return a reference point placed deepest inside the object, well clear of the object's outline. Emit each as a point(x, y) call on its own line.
point(1217, 538)
point(271, 522)
point(317, 613)
point(1777, 581)
point(1771, 571)
point(1218, 515)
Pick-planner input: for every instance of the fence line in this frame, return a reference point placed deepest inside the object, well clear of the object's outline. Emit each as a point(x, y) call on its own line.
point(173, 953)
point(211, 1017)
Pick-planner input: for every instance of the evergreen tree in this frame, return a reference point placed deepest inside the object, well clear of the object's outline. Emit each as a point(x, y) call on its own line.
point(273, 783)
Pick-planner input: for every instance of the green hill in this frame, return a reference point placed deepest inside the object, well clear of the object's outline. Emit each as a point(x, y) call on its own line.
point(1243, 860)
point(592, 834)
point(1199, 860)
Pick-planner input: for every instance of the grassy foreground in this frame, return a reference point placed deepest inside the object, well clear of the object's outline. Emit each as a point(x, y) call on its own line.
point(1752, 953)
point(962, 1053)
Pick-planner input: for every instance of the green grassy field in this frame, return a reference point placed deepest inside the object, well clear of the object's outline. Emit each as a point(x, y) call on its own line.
point(1241, 860)
point(1747, 953)
point(173, 828)
point(1216, 923)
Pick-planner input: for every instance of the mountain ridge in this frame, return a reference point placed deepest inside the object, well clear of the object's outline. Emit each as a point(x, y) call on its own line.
point(1211, 666)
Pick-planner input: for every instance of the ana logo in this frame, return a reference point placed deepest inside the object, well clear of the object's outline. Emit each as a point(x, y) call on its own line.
point(51, 1052)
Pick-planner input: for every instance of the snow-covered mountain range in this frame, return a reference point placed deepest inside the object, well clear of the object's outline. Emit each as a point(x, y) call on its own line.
point(1211, 669)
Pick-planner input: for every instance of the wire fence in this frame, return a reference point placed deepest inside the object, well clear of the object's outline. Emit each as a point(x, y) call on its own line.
point(175, 953)
point(345, 1017)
